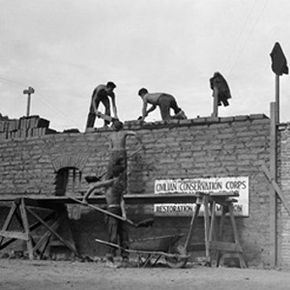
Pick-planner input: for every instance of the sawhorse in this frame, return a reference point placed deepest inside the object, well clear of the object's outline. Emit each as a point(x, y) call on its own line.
point(221, 248)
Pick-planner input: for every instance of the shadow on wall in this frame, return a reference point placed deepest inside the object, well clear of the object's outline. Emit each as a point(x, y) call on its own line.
point(136, 183)
point(68, 181)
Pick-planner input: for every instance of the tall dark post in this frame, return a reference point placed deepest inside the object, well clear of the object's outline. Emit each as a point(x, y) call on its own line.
point(279, 67)
point(277, 98)
point(273, 195)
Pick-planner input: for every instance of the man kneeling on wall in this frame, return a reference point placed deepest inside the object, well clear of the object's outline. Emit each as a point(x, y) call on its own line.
point(165, 102)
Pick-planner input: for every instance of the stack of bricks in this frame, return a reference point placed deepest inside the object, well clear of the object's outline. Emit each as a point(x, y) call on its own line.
point(25, 127)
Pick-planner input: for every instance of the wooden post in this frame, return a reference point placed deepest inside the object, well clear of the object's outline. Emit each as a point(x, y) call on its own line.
point(273, 168)
point(189, 235)
point(277, 98)
point(215, 102)
point(206, 228)
point(8, 220)
point(26, 229)
point(28, 92)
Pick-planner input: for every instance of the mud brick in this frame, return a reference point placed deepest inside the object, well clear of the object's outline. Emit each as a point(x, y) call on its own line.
point(42, 123)
point(2, 126)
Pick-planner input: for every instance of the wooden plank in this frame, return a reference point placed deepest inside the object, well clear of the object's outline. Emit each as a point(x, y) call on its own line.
point(220, 233)
point(14, 235)
point(43, 200)
point(276, 187)
point(106, 212)
point(190, 232)
point(212, 223)
point(46, 236)
point(9, 218)
point(206, 227)
point(129, 199)
point(233, 222)
point(26, 228)
point(236, 236)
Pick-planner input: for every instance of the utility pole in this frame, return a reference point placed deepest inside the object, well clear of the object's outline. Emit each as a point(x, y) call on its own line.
point(28, 92)
point(279, 67)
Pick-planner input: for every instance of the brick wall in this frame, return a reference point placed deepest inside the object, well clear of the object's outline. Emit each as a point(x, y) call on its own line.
point(202, 147)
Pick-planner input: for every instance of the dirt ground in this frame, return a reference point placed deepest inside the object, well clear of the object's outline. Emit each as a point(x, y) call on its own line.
point(59, 275)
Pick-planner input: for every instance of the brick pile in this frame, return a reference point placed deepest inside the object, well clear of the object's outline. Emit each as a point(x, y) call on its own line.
point(24, 127)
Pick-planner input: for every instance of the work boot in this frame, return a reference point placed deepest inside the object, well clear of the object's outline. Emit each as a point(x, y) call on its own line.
point(110, 263)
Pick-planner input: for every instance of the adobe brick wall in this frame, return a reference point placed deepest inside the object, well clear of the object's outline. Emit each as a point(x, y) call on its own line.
point(202, 147)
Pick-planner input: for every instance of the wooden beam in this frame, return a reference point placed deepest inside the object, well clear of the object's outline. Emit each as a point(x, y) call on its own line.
point(26, 228)
point(276, 188)
point(46, 236)
point(8, 219)
point(212, 223)
point(14, 235)
point(190, 232)
point(47, 202)
point(206, 227)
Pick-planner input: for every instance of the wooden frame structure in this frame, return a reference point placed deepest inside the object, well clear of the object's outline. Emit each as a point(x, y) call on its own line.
point(24, 209)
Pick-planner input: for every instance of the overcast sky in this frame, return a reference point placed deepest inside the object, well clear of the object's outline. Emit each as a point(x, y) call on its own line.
point(64, 49)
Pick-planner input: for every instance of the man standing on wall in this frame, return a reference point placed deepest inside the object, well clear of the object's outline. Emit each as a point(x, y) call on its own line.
point(165, 102)
point(101, 94)
point(221, 92)
point(117, 146)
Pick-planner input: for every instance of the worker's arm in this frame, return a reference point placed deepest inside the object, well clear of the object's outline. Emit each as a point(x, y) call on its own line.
point(124, 215)
point(145, 112)
point(94, 101)
point(144, 109)
point(153, 107)
point(99, 184)
point(112, 95)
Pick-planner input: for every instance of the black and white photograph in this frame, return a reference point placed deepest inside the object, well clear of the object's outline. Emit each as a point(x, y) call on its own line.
point(144, 144)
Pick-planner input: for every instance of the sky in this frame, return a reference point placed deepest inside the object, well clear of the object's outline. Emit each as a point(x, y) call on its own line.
point(65, 48)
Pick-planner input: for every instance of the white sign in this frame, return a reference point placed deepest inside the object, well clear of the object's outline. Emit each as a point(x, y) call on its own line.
point(239, 184)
